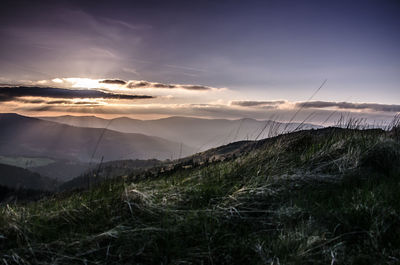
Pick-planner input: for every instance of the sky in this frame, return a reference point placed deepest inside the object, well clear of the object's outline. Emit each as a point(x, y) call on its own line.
point(213, 59)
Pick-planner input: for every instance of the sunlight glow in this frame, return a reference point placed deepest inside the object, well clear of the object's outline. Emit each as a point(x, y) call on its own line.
point(83, 82)
point(57, 80)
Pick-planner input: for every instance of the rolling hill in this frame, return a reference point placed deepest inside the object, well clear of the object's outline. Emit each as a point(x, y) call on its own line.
point(25, 136)
point(20, 178)
point(199, 133)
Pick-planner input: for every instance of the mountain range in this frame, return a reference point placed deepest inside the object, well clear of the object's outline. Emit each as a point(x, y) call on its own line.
point(65, 147)
point(32, 137)
point(201, 134)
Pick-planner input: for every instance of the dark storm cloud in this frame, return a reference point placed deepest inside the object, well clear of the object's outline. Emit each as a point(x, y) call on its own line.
point(113, 82)
point(349, 105)
point(249, 103)
point(12, 93)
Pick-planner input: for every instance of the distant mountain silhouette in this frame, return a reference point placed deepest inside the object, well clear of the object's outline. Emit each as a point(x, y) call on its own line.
point(199, 133)
point(20, 135)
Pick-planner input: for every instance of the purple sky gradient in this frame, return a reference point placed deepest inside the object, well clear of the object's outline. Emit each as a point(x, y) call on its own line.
point(261, 50)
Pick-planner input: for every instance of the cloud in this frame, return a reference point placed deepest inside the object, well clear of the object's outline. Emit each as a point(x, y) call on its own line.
point(160, 85)
point(249, 103)
point(196, 87)
point(78, 82)
point(113, 82)
point(317, 105)
point(146, 84)
point(130, 70)
point(128, 25)
point(53, 102)
point(29, 101)
point(12, 93)
point(57, 102)
point(86, 103)
point(350, 106)
point(138, 84)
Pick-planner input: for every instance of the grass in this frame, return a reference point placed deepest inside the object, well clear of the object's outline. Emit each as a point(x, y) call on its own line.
point(326, 196)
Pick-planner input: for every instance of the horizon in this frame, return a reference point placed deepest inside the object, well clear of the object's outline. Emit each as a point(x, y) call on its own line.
point(309, 111)
point(342, 120)
point(156, 119)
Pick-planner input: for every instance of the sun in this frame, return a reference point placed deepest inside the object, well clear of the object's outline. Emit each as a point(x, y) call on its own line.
point(78, 82)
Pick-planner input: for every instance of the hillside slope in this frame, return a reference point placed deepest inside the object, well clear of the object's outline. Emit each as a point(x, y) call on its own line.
point(109, 170)
point(16, 177)
point(313, 197)
point(24, 136)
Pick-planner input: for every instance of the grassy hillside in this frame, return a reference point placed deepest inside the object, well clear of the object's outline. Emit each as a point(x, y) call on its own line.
point(108, 170)
point(20, 195)
point(16, 177)
point(328, 196)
